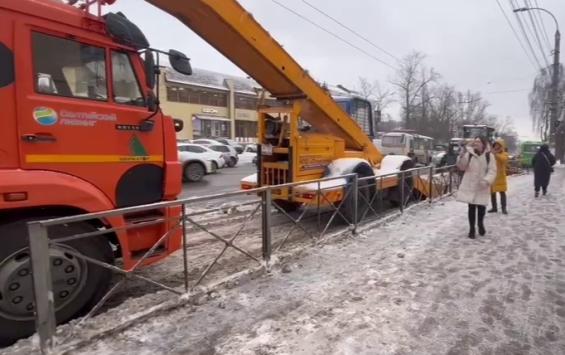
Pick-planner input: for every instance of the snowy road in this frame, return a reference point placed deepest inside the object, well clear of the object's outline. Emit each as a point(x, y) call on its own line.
point(414, 286)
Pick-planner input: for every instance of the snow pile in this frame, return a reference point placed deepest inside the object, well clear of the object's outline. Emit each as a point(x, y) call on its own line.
point(391, 164)
point(250, 179)
point(338, 167)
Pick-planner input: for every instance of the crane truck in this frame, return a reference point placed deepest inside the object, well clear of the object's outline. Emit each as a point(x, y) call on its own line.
point(340, 131)
point(82, 132)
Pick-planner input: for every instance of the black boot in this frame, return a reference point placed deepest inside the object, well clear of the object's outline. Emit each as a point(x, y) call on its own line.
point(472, 214)
point(481, 224)
point(494, 208)
point(503, 202)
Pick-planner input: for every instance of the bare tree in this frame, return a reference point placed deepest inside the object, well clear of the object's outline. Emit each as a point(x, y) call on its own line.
point(540, 101)
point(412, 77)
point(381, 99)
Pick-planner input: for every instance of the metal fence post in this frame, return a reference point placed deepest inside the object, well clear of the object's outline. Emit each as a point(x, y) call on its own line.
point(318, 196)
point(266, 226)
point(42, 285)
point(402, 191)
point(355, 201)
point(184, 246)
point(431, 183)
point(450, 181)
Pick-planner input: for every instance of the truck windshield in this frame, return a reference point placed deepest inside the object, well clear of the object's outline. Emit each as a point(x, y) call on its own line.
point(474, 132)
point(530, 148)
point(393, 141)
point(360, 111)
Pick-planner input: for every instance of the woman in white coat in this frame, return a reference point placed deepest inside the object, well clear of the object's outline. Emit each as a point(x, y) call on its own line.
point(479, 167)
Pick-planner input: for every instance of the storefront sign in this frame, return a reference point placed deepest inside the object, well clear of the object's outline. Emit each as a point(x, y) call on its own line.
point(209, 110)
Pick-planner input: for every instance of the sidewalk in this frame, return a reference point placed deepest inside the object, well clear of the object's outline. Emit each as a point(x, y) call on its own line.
point(414, 286)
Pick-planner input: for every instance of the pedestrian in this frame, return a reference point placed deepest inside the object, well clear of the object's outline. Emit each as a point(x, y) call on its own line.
point(542, 163)
point(500, 183)
point(479, 173)
point(449, 158)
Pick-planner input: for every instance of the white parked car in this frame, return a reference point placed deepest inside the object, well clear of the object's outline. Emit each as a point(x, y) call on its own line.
point(198, 161)
point(238, 147)
point(206, 141)
point(249, 153)
point(230, 155)
point(211, 142)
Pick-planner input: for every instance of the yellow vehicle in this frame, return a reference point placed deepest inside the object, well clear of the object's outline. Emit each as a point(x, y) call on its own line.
point(312, 135)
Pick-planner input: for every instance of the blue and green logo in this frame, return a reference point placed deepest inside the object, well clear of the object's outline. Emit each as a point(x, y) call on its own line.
point(45, 116)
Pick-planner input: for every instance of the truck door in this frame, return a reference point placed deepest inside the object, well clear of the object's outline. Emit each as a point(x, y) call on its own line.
point(80, 106)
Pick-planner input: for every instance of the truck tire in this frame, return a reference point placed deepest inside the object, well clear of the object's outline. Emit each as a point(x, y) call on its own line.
point(77, 284)
point(366, 192)
point(194, 172)
point(287, 206)
point(395, 194)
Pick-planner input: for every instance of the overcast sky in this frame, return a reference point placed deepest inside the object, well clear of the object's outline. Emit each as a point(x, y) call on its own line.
point(468, 42)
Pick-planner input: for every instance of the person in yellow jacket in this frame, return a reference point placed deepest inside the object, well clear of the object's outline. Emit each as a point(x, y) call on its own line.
point(500, 184)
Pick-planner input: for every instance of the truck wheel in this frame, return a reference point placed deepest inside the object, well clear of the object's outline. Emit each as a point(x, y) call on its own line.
point(194, 172)
point(77, 284)
point(395, 194)
point(287, 206)
point(366, 192)
point(232, 162)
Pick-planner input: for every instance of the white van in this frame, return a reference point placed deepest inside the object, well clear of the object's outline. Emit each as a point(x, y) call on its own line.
point(401, 143)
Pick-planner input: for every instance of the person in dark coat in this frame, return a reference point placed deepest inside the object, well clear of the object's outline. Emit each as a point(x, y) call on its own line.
point(449, 158)
point(542, 163)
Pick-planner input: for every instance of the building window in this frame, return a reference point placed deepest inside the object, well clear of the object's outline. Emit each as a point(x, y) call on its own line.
point(197, 96)
point(246, 102)
point(245, 129)
point(204, 128)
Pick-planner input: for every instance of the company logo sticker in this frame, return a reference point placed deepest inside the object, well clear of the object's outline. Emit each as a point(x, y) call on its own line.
point(45, 116)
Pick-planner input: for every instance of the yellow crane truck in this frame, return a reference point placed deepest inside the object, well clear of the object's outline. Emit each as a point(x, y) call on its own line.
point(310, 135)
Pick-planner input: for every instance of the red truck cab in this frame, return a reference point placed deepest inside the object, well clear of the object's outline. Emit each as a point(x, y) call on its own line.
point(80, 132)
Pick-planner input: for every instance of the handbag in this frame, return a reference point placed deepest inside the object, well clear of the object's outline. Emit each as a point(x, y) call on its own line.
point(551, 170)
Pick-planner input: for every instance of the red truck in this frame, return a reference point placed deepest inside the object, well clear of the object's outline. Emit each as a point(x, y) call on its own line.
point(81, 131)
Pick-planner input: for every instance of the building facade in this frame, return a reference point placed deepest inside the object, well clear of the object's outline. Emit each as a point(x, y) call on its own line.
point(211, 104)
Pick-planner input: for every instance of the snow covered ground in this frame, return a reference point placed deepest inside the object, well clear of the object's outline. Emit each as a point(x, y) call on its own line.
point(416, 285)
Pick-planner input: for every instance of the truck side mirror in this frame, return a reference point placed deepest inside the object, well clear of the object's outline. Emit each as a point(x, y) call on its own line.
point(179, 124)
point(149, 66)
point(180, 62)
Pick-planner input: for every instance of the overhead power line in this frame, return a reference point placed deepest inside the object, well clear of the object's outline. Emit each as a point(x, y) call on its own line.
point(516, 35)
point(533, 21)
point(334, 35)
point(544, 30)
point(536, 17)
point(351, 30)
point(525, 33)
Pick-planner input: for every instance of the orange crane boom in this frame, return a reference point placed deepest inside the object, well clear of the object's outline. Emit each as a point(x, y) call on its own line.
point(233, 31)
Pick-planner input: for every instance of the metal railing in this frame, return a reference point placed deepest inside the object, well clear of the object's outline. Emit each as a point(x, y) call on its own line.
point(250, 239)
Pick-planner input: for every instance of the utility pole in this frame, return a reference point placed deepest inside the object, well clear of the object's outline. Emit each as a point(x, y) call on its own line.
point(556, 129)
